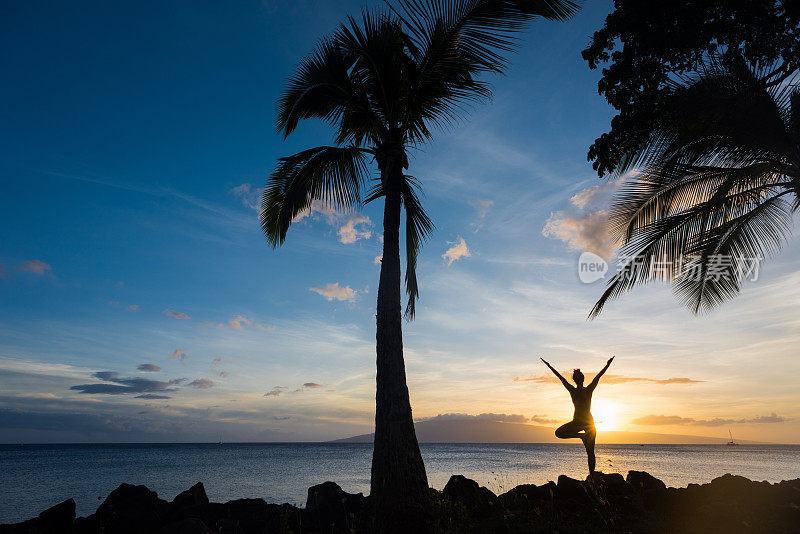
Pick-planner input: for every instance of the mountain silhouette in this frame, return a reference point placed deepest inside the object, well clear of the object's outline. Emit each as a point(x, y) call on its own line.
point(482, 431)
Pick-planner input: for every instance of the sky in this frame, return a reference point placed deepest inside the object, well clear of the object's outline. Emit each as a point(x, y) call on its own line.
point(139, 300)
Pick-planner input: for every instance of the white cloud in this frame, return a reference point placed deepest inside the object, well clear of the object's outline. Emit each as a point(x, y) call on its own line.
point(585, 226)
point(457, 251)
point(321, 208)
point(378, 259)
point(584, 232)
point(133, 308)
point(357, 227)
point(336, 292)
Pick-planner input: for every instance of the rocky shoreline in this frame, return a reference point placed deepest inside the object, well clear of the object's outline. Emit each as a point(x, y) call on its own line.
point(609, 503)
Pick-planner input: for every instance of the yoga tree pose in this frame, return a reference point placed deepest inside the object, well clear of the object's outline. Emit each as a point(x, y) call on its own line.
point(582, 424)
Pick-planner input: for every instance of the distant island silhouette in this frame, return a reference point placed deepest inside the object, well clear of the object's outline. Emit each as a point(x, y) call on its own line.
point(483, 431)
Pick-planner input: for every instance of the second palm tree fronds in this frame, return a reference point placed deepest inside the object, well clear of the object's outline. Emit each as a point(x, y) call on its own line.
point(718, 187)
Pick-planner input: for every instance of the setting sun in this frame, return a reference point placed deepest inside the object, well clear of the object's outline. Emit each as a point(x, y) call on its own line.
point(606, 415)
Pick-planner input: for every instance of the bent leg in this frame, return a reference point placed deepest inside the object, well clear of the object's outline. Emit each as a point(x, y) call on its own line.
point(588, 438)
point(568, 430)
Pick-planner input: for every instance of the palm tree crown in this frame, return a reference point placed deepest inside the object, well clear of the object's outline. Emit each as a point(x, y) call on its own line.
point(719, 185)
point(384, 82)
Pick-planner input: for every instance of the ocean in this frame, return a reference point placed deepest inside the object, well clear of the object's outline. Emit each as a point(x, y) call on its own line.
point(35, 477)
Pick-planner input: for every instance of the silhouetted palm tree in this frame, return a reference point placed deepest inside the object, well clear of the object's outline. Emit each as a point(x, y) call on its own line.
point(719, 185)
point(385, 83)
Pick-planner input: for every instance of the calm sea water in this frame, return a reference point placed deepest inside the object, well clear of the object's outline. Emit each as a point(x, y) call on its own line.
point(35, 477)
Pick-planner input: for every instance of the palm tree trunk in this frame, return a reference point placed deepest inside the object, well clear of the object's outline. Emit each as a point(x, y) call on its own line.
point(399, 484)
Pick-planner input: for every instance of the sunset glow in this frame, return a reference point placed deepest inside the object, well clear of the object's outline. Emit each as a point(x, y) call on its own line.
point(606, 415)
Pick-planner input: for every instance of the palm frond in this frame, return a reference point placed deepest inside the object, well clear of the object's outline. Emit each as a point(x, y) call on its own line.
point(332, 175)
point(729, 251)
point(418, 228)
point(455, 41)
point(664, 218)
point(722, 116)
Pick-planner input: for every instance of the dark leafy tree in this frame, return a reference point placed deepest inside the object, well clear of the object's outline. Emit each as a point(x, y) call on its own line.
point(386, 82)
point(645, 43)
point(719, 184)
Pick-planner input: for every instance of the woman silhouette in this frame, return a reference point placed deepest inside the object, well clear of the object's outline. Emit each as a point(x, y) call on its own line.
point(582, 424)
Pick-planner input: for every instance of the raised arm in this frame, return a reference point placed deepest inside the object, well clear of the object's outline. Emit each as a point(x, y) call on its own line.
point(596, 379)
point(563, 380)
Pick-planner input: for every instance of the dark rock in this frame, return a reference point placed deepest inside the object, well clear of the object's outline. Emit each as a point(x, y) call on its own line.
point(528, 496)
point(194, 496)
point(86, 525)
point(570, 489)
point(59, 518)
point(643, 481)
point(186, 526)
point(479, 501)
point(55, 520)
point(255, 516)
point(131, 509)
point(192, 503)
point(333, 508)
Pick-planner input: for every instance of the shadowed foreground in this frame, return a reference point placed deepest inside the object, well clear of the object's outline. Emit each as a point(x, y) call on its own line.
point(637, 503)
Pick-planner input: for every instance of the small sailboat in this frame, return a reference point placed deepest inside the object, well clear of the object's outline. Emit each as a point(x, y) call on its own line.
point(732, 441)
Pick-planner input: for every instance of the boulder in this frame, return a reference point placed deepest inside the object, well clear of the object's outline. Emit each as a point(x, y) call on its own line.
point(611, 483)
point(55, 520)
point(333, 508)
point(191, 504)
point(186, 526)
point(570, 489)
point(644, 482)
point(528, 496)
point(479, 501)
point(194, 496)
point(131, 509)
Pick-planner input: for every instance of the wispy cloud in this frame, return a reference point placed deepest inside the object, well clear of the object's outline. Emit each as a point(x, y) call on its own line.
point(239, 322)
point(543, 419)
point(217, 363)
point(34, 266)
point(277, 391)
point(149, 368)
point(336, 292)
point(672, 420)
point(482, 207)
point(201, 383)
point(499, 417)
point(113, 384)
point(249, 195)
point(176, 315)
point(457, 251)
point(356, 227)
point(179, 353)
point(133, 308)
point(607, 379)
point(307, 386)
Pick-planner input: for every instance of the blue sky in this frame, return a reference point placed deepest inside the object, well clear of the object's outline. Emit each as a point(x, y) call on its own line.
point(137, 136)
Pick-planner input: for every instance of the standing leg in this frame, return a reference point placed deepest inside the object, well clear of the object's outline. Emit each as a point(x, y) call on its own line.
point(588, 438)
